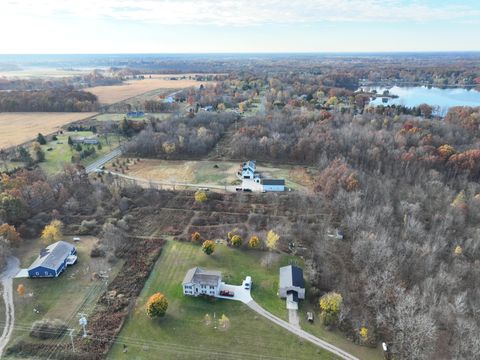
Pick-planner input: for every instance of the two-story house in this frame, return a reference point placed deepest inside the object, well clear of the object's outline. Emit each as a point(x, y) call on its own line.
point(199, 281)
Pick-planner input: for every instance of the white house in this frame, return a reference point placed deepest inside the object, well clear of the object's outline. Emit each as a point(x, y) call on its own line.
point(292, 285)
point(248, 170)
point(199, 281)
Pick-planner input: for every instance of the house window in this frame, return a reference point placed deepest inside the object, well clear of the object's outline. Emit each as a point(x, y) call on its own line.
point(46, 273)
point(37, 273)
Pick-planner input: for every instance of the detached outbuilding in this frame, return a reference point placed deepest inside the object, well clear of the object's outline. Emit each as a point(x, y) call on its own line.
point(53, 260)
point(292, 285)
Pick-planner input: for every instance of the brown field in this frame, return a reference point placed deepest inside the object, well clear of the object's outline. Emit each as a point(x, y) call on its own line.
point(131, 88)
point(17, 128)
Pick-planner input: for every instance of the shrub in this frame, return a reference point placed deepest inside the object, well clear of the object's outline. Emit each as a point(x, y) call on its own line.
point(47, 329)
point(97, 251)
point(87, 226)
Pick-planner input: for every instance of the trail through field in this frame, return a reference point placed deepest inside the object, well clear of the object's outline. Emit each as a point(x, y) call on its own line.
point(7, 295)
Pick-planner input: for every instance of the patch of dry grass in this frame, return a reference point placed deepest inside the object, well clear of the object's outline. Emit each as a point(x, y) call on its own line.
point(17, 128)
point(131, 88)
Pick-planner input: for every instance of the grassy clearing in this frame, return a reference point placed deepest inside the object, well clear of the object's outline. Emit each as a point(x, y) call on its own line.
point(119, 117)
point(17, 128)
point(184, 333)
point(62, 153)
point(59, 298)
point(205, 172)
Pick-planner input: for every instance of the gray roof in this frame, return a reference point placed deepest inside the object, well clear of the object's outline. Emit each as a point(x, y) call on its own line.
point(291, 276)
point(201, 276)
point(53, 255)
point(273, 182)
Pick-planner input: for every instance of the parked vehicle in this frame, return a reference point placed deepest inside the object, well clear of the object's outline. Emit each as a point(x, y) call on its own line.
point(227, 293)
point(247, 283)
point(247, 190)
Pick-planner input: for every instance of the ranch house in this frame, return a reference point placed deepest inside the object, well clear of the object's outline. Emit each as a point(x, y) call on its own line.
point(53, 260)
point(199, 281)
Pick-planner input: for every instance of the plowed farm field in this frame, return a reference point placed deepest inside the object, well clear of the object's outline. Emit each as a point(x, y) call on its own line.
point(17, 128)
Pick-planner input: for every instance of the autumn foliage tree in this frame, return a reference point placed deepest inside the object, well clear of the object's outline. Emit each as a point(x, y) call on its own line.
point(52, 232)
point(201, 196)
point(272, 240)
point(157, 305)
point(254, 242)
point(10, 234)
point(337, 176)
point(330, 304)
point(236, 240)
point(195, 236)
point(208, 247)
point(21, 289)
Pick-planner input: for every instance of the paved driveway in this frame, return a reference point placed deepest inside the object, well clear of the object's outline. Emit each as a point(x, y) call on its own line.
point(240, 294)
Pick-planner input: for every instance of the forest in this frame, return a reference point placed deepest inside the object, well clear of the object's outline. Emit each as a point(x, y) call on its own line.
point(54, 100)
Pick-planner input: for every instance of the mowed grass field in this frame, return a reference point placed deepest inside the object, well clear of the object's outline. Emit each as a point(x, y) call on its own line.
point(17, 128)
point(61, 153)
point(210, 172)
point(186, 333)
point(58, 298)
point(131, 88)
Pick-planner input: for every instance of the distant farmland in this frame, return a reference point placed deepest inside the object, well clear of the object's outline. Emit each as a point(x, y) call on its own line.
point(17, 128)
point(131, 88)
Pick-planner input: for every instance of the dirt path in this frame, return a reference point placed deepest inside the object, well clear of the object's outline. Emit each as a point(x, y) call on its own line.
point(299, 332)
point(6, 280)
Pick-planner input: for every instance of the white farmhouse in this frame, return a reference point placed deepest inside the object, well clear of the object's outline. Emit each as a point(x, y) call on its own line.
point(199, 281)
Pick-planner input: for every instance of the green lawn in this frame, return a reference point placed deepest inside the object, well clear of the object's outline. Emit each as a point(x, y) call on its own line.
point(184, 333)
point(58, 298)
point(62, 153)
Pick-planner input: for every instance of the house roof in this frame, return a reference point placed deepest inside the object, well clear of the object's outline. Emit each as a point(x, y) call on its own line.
point(291, 276)
point(252, 164)
point(197, 275)
point(273, 182)
point(53, 255)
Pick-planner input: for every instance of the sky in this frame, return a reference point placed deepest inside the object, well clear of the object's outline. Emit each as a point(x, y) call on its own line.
point(232, 26)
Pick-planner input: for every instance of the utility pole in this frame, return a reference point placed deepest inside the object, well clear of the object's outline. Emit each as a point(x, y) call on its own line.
point(71, 339)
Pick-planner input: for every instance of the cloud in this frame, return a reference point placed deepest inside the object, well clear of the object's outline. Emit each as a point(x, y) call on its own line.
point(243, 12)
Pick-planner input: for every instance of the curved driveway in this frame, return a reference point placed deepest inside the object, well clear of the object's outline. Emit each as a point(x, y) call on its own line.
point(6, 280)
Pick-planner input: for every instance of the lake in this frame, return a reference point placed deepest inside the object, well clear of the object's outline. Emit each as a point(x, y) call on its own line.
point(414, 96)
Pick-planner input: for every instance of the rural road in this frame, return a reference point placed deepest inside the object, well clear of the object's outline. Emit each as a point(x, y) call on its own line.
point(299, 332)
point(103, 160)
point(6, 280)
